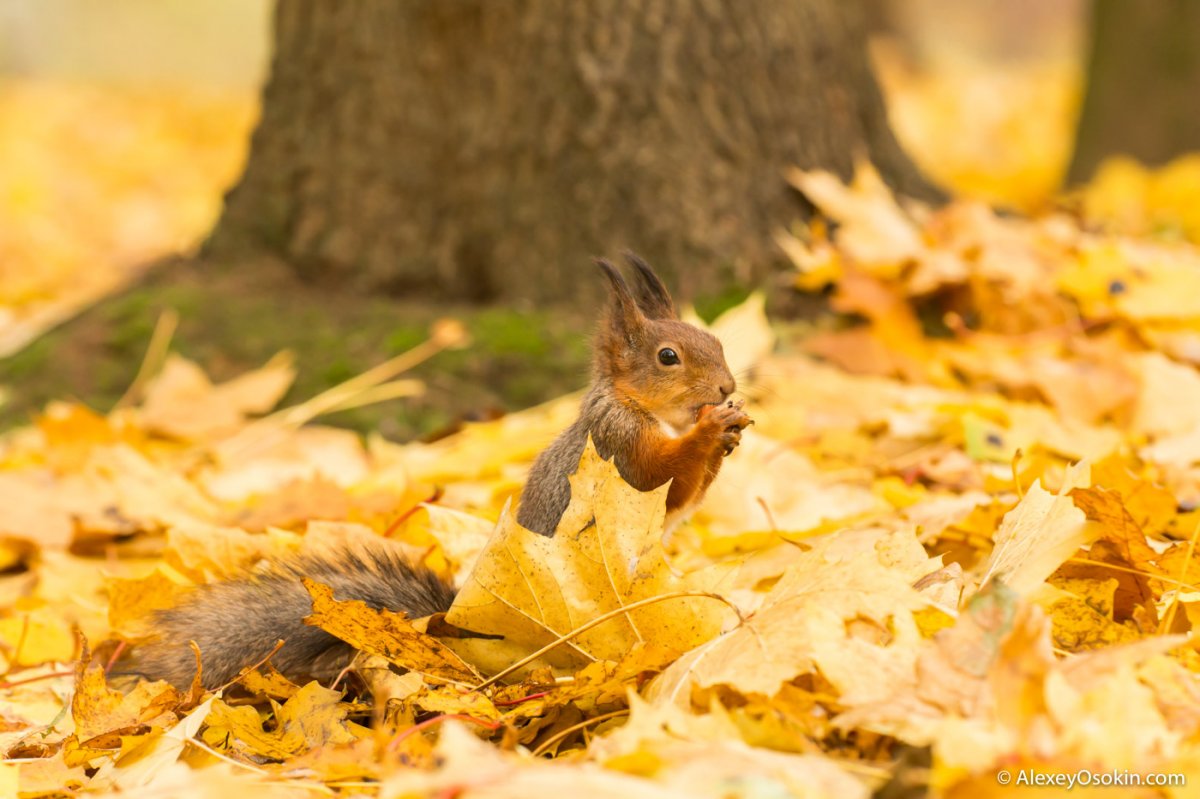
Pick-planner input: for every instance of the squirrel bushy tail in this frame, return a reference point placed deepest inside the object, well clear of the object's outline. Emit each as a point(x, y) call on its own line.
point(236, 623)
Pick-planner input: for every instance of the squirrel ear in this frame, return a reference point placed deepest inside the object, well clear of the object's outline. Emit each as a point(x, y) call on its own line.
point(624, 313)
point(652, 297)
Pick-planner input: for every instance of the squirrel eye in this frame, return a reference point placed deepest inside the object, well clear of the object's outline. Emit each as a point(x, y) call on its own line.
point(668, 356)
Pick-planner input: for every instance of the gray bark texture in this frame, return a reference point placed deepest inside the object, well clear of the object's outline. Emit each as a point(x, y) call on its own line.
point(487, 149)
point(1143, 84)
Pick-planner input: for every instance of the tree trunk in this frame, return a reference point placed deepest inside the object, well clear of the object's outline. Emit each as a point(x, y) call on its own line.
point(485, 150)
point(1143, 84)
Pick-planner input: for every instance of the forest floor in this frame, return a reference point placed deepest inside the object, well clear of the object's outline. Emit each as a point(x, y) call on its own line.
point(957, 552)
point(235, 317)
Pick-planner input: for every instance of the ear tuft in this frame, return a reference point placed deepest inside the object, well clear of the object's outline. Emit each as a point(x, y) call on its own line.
point(652, 297)
point(619, 286)
point(624, 314)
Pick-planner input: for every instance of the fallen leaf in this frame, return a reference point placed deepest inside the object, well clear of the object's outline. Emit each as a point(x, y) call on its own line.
point(807, 622)
point(313, 717)
point(182, 403)
point(1036, 536)
point(386, 634)
point(606, 554)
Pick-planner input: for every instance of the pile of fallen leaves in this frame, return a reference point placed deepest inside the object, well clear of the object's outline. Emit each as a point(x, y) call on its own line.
point(959, 542)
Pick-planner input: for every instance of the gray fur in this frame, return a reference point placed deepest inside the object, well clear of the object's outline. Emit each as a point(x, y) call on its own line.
point(237, 622)
point(613, 427)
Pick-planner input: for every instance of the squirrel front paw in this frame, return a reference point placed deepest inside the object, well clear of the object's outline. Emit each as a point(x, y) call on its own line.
point(726, 421)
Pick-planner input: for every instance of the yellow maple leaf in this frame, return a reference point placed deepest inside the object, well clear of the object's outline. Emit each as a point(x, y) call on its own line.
point(606, 554)
point(805, 623)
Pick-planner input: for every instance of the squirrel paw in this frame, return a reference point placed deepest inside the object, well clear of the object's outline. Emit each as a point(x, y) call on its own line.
point(727, 420)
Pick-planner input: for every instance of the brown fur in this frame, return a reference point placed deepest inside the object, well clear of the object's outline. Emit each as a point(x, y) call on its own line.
point(237, 622)
point(633, 396)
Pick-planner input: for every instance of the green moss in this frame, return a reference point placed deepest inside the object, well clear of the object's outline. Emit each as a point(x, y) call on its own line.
point(404, 339)
point(29, 362)
point(711, 306)
point(338, 372)
point(502, 331)
point(235, 319)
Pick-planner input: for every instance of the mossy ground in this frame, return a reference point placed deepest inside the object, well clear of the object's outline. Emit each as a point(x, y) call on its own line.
point(235, 317)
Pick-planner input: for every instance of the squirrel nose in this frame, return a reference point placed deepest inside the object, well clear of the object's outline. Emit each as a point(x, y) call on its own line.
point(729, 387)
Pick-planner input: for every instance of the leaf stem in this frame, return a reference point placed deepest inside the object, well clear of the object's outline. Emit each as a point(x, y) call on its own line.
point(427, 723)
point(520, 700)
point(558, 736)
point(14, 683)
point(562, 639)
point(1139, 572)
point(219, 756)
point(156, 355)
point(250, 668)
point(1169, 618)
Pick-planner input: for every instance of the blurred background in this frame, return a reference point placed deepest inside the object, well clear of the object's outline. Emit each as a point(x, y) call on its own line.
point(124, 124)
point(216, 45)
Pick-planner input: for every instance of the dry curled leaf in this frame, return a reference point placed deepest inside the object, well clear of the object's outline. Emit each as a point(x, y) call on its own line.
point(389, 635)
point(313, 717)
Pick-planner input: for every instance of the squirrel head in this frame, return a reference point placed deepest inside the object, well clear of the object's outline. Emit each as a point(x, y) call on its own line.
point(669, 368)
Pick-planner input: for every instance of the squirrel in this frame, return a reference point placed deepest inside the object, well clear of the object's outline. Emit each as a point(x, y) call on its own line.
point(658, 405)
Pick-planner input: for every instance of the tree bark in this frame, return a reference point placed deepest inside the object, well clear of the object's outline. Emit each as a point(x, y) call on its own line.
point(484, 150)
point(1143, 84)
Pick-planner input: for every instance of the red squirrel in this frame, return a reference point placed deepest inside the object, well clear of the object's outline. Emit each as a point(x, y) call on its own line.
point(658, 405)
